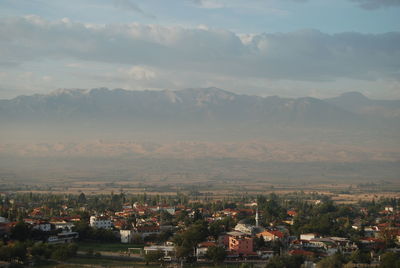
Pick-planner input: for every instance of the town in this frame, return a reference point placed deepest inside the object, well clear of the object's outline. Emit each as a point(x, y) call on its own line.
point(287, 230)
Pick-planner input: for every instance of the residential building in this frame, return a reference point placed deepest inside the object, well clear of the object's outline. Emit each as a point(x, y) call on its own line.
point(100, 222)
point(270, 235)
point(126, 236)
point(241, 245)
point(308, 236)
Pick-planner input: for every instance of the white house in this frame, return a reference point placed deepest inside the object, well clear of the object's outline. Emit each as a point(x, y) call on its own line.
point(43, 226)
point(100, 222)
point(247, 228)
point(170, 210)
point(126, 236)
point(145, 231)
point(389, 208)
point(202, 248)
point(63, 225)
point(244, 228)
point(265, 254)
point(308, 236)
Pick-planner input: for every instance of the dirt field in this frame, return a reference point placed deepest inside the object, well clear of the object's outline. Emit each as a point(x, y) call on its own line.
point(214, 189)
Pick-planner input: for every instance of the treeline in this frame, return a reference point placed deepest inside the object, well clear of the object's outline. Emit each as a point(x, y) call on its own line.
point(86, 232)
point(26, 245)
point(21, 253)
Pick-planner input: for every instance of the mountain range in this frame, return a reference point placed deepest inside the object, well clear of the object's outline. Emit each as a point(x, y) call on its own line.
point(205, 114)
point(194, 106)
point(104, 131)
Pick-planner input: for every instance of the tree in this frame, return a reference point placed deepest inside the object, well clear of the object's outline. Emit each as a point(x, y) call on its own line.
point(334, 261)
point(137, 239)
point(103, 235)
point(40, 250)
point(197, 215)
point(228, 223)
point(18, 251)
point(259, 242)
point(183, 252)
point(216, 228)
point(20, 231)
point(5, 253)
point(83, 229)
point(285, 261)
point(165, 217)
point(192, 236)
point(63, 252)
point(360, 257)
point(164, 236)
point(153, 256)
point(390, 260)
point(82, 199)
point(216, 254)
point(388, 236)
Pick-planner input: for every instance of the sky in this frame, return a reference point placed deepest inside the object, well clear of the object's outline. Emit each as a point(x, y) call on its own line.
point(290, 48)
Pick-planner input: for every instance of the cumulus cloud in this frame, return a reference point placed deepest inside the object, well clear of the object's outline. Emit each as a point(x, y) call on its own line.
point(300, 55)
point(139, 73)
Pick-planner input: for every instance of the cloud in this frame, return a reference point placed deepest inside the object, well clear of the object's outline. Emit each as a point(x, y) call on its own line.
point(74, 65)
point(376, 4)
point(130, 6)
point(367, 4)
point(139, 73)
point(255, 7)
point(210, 4)
point(307, 55)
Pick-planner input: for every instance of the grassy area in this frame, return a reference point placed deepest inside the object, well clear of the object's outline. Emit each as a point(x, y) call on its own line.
point(102, 262)
point(113, 247)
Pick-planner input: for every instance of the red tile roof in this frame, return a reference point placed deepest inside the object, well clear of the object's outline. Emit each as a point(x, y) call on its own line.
point(301, 252)
point(207, 244)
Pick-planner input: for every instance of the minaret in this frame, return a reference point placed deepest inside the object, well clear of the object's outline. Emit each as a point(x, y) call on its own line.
point(257, 217)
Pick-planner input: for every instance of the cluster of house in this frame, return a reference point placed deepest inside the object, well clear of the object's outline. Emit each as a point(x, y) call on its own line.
point(59, 229)
point(238, 242)
point(146, 221)
point(313, 245)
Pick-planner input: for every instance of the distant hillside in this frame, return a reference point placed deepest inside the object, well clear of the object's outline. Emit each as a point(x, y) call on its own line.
point(209, 104)
point(207, 133)
point(357, 103)
point(195, 114)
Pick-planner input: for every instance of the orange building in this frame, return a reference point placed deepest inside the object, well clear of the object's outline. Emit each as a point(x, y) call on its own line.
point(271, 235)
point(241, 245)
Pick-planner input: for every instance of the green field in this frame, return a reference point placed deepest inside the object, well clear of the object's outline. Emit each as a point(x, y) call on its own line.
point(112, 247)
point(102, 262)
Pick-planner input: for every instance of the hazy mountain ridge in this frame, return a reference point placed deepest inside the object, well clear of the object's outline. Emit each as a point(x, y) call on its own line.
point(357, 103)
point(192, 104)
point(102, 132)
point(209, 114)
